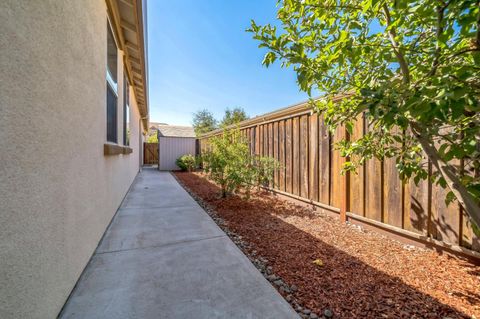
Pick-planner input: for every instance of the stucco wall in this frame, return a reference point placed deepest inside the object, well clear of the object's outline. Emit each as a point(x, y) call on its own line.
point(58, 191)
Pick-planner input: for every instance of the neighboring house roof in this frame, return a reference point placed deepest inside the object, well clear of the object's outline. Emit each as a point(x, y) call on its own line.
point(175, 131)
point(154, 125)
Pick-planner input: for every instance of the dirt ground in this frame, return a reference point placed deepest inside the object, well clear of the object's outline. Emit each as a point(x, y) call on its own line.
point(357, 273)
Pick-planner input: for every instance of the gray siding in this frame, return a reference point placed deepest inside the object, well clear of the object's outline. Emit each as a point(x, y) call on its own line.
point(171, 148)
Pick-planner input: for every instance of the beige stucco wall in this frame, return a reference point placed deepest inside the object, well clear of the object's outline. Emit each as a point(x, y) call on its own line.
point(58, 191)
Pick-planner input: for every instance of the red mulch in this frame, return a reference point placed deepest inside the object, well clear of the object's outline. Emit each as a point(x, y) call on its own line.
point(363, 273)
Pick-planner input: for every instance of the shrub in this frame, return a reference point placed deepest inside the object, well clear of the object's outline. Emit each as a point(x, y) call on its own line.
point(186, 162)
point(230, 164)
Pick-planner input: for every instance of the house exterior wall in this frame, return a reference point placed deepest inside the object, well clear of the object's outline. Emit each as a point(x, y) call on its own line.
point(171, 148)
point(58, 191)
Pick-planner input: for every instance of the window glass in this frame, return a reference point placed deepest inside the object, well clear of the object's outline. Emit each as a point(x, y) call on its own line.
point(126, 112)
point(111, 115)
point(111, 60)
point(111, 88)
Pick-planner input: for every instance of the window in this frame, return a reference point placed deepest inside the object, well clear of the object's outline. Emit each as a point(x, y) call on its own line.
point(112, 93)
point(126, 112)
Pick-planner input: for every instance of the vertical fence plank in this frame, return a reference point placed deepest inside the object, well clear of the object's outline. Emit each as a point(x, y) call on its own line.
point(275, 154)
point(269, 130)
point(313, 161)
point(288, 156)
point(393, 210)
point(304, 156)
point(357, 178)
point(446, 219)
point(416, 206)
point(260, 140)
point(337, 186)
point(373, 189)
point(281, 154)
point(324, 163)
point(296, 155)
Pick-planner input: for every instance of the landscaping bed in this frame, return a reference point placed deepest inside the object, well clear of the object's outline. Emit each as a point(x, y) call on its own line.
point(325, 268)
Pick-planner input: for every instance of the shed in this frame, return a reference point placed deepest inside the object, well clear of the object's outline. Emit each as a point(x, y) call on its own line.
point(173, 142)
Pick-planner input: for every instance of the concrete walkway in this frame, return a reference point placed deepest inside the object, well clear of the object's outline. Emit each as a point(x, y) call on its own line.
point(164, 257)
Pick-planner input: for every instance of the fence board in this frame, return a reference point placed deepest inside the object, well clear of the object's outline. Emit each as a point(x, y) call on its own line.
point(393, 192)
point(324, 163)
point(446, 219)
point(304, 156)
point(275, 154)
point(417, 207)
point(296, 155)
point(288, 156)
point(313, 161)
point(373, 189)
point(337, 189)
point(281, 154)
point(357, 178)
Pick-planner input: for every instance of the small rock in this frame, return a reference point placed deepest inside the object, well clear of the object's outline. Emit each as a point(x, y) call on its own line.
point(288, 298)
point(306, 311)
point(278, 282)
point(313, 316)
point(272, 277)
point(298, 309)
point(293, 288)
point(328, 313)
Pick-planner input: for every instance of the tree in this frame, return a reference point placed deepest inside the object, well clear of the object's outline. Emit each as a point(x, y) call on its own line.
point(203, 122)
point(411, 67)
point(152, 138)
point(234, 116)
point(228, 160)
point(230, 164)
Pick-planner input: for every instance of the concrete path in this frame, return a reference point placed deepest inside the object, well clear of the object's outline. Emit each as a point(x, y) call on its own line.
point(164, 257)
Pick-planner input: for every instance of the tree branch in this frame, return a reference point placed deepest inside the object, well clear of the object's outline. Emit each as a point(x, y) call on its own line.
point(438, 50)
point(396, 48)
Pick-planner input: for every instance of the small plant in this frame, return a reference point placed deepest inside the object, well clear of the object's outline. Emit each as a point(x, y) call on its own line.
point(186, 162)
point(264, 168)
point(225, 162)
point(230, 164)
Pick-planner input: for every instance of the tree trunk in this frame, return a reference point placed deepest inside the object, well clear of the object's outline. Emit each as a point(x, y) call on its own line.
point(468, 203)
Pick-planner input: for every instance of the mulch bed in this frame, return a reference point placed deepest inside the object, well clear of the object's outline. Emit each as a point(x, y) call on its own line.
point(358, 273)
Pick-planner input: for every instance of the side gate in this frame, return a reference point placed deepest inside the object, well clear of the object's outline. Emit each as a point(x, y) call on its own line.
point(150, 153)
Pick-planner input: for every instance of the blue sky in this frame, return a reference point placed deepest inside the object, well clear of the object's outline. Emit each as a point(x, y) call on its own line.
point(201, 57)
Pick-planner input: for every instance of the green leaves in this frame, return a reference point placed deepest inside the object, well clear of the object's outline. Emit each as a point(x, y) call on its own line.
point(231, 165)
point(403, 62)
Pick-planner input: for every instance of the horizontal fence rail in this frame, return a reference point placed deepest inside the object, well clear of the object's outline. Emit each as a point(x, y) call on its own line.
point(311, 171)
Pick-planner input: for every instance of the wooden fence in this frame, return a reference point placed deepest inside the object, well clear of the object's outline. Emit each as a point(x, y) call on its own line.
point(310, 171)
point(150, 153)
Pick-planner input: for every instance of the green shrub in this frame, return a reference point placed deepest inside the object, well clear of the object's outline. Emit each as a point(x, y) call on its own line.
point(186, 162)
point(230, 164)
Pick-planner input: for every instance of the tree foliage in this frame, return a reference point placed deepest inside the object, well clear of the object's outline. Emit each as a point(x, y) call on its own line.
point(152, 138)
point(203, 122)
point(233, 116)
point(411, 67)
point(231, 165)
